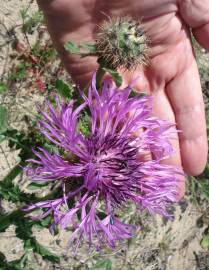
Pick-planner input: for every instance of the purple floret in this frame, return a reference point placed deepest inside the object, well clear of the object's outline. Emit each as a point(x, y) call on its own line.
point(109, 167)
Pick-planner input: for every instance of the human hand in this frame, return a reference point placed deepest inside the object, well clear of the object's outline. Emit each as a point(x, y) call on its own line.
point(171, 77)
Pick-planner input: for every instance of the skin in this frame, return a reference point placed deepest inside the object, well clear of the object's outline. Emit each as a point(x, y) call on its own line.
point(171, 77)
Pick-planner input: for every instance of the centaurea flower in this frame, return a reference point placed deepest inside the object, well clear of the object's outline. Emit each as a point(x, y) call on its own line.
point(110, 166)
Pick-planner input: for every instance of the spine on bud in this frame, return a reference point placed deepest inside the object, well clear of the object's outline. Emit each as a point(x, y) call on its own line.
point(122, 42)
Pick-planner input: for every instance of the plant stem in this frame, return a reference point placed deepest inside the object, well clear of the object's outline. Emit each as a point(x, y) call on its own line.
point(99, 75)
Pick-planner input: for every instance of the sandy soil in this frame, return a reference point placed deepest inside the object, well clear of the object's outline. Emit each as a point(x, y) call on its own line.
point(172, 245)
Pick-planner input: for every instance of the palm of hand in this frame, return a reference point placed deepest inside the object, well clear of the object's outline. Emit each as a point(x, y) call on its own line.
point(172, 76)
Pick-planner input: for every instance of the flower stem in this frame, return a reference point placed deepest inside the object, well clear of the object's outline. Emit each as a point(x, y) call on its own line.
point(100, 74)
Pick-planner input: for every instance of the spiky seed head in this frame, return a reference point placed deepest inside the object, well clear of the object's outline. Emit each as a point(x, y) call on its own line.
point(122, 42)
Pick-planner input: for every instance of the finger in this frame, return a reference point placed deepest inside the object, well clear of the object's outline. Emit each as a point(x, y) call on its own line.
point(137, 78)
point(69, 21)
point(162, 110)
point(185, 95)
point(81, 69)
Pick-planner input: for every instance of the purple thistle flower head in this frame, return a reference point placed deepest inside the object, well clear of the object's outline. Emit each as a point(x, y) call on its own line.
point(111, 166)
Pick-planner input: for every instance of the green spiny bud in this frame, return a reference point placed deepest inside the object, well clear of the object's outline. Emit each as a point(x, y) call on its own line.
point(122, 42)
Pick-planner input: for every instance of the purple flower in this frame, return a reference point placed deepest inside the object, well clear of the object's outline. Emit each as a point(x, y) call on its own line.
point(108, 168)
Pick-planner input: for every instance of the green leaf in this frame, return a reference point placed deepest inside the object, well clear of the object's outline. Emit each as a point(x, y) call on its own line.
point(205, 188)
point(100, 265)
point(8, 219)
point(205, 241)
point(45, 222)
point(72, 47)
point(17, 215)
point(3, 88)
point(19, 72)
point(84, 124)
point(206, 171)
point(35, 186)
point(7, 180)
point(115, 75)
point(23, 13)
point(12, 192)
point(44, 252)
point(2, 257)
point(3, 118)
point(136, 94)
point(103, 264)
point(4, 223)
point(90, 48)
point(12, 265)
point(29, 22)
point(64, 89)
point(109, 265)
point(2, 138)
point(22, 261)
point(24, 231)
